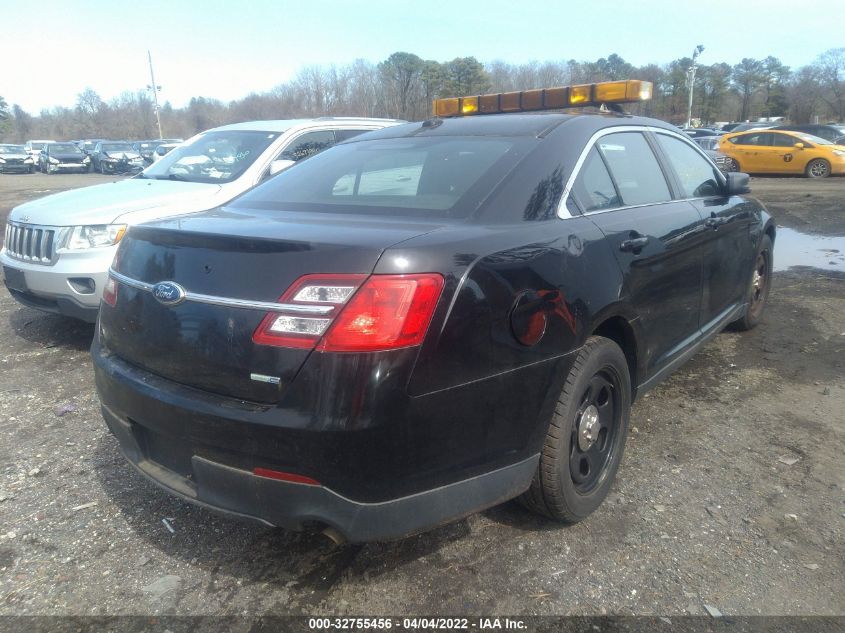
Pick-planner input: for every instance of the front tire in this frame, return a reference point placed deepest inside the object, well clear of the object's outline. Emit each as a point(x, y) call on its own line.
point(758, 291)
point(733, 165)
point(817, 168)
point(586, 436)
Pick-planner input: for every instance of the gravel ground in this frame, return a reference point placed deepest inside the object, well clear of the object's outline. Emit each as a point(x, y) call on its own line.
point(731, 493)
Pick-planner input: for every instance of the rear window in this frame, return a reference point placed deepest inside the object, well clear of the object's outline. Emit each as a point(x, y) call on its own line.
point(435, 177)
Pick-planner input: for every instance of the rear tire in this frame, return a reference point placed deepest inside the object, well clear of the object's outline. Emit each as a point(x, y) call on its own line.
point(817, 168)
point(758, 288)
point(586, 436)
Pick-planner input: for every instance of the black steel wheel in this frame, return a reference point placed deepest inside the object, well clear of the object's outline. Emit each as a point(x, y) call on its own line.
point(759, 287)
point(586, 436)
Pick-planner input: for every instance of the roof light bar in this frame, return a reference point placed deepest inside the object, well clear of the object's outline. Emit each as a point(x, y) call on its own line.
point(576, 96)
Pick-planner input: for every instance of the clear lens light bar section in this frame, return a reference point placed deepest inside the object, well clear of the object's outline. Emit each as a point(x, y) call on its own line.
point(285, 324)
point(324, 294)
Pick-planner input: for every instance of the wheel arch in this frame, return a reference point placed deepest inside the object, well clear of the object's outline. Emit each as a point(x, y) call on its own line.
point(622, 331)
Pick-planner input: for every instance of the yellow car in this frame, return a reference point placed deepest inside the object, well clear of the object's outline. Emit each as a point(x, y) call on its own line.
point(783, 152)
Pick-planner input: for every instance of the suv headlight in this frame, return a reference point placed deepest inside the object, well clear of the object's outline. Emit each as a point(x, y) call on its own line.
point(2, 161)
point(28, 159)
point(54, 161)
point(95, 236)
point(87, 159)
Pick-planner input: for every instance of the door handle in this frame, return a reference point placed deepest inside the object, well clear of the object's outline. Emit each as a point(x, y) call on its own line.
point(714, 223)
point(634, 245)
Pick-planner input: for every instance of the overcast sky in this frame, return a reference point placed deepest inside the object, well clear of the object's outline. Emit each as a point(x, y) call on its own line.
point(53, 49)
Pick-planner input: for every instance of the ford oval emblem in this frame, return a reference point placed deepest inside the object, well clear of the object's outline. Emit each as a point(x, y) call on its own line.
point(169, 293)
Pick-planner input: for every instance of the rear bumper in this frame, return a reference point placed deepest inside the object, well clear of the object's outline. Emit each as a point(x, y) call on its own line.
point(240, 494)
point(203, 448)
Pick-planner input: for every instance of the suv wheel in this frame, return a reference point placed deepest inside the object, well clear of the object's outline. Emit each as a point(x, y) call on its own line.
point(758, 290)
point(586, 435)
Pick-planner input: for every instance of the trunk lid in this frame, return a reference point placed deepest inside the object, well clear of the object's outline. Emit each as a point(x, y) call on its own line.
point(231, 254)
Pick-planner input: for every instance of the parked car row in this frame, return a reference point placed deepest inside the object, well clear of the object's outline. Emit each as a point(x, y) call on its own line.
point(414, 325)
point(101, 155)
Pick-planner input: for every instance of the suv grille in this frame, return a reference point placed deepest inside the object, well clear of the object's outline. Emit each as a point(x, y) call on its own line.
point(36, 244)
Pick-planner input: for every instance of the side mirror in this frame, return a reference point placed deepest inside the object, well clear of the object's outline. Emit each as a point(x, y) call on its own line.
point(736, 183)
point(799, 146)
point(280, 165)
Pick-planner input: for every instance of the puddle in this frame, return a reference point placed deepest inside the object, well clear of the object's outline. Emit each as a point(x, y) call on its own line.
point(800, 249)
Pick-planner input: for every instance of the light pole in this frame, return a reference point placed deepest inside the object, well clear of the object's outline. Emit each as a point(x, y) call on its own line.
point(155, 88)
point(691, 81)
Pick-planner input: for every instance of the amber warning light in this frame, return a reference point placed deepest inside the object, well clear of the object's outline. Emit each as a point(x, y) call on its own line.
point(577, 96)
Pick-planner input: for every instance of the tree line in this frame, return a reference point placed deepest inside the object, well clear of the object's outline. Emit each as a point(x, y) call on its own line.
point(404, 85)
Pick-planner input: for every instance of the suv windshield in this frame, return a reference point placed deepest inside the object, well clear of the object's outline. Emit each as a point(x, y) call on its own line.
point(433, 177)
point(213, 157)
point(64, 148)
point(12, 149)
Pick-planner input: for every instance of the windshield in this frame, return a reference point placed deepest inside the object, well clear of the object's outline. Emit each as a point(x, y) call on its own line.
point(816, 140)
point(116, 147)
point(12, 149)
point(212, 157)
point(434, 177)
point(64, 148)
point(89, 144)
point(38, 146)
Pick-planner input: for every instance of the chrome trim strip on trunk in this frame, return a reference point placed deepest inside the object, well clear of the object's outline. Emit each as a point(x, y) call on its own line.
point(227, 301)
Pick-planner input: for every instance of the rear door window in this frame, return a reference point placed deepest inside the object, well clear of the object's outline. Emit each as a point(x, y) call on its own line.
point(308, 144)
point(634, 168)
point(593, 188)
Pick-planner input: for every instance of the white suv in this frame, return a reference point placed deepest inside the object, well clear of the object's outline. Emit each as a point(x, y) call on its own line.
point(58, 249)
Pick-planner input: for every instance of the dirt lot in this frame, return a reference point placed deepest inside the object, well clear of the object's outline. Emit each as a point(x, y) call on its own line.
point(731, 493)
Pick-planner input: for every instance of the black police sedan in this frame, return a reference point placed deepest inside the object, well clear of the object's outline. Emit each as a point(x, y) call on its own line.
point(427, 320)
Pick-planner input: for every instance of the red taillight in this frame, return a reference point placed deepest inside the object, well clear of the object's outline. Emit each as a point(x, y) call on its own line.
point(110, 292)
point(289, 477)
point(290, 328)
point(386, 312)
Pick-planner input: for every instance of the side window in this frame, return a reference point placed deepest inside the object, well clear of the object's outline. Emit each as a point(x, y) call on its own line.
point(593, 188)
point(783, 140)
point(757, 139)
point(697, 176)
point(634, 168)
point(743, 139)
point(307, 145)
point(344, 135)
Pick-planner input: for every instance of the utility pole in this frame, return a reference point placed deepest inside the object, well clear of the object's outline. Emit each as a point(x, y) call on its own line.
point(155, 88)
point(690, 80)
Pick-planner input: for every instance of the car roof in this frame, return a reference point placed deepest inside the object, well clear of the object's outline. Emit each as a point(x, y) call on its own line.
point(525, 125)
point(283, 125)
